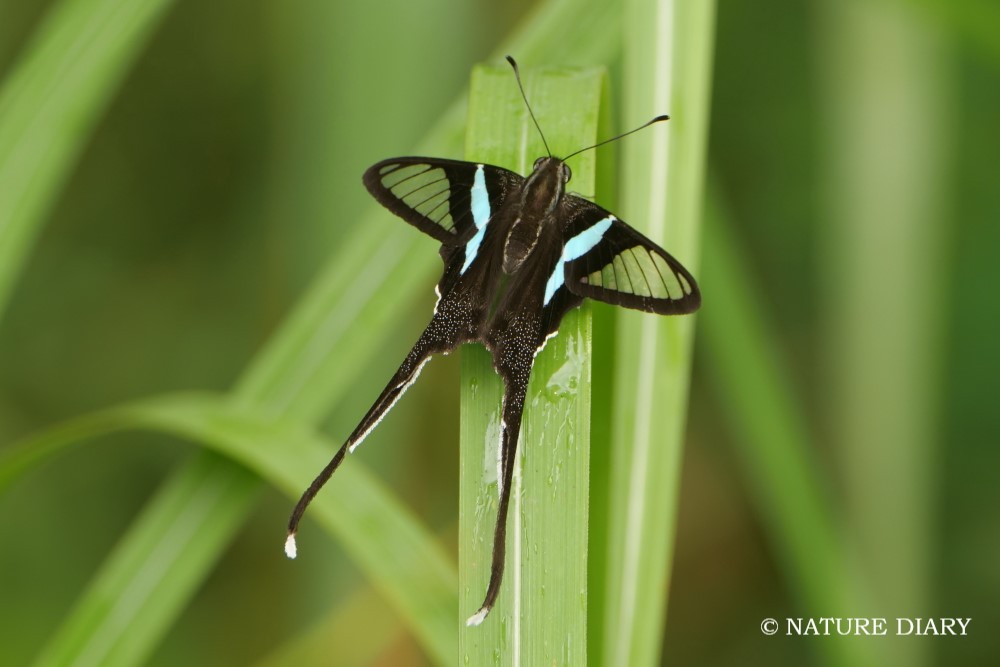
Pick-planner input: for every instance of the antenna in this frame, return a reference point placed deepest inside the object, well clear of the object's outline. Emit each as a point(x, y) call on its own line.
point(625, 134)
point(517, 75)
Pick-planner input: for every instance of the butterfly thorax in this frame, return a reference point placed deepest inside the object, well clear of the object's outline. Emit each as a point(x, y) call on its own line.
point(539, 199)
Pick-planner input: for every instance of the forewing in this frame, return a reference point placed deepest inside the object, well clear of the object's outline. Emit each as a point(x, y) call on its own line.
point(446, 199)
point(623, 267)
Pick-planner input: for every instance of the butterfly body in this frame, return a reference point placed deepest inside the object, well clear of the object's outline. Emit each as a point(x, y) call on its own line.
point(519, 253)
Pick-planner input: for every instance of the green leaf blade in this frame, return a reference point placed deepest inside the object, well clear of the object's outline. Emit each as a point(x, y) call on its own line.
point(541, 614)
point(668, 69)
point(406, 563)
point(51, 102)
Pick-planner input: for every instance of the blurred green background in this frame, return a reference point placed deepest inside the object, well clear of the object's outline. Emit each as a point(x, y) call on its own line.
point(852, 167)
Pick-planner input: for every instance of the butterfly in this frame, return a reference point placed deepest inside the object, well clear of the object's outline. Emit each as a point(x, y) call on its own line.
point(519, 253)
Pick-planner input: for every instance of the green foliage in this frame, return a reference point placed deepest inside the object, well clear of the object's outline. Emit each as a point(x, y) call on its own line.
point(667, 66)
point(49, 105)
point(173, 176)
point(380, 534)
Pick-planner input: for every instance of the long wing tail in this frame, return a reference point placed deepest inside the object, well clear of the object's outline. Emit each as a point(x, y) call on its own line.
point(434, 340)
point(515, 375)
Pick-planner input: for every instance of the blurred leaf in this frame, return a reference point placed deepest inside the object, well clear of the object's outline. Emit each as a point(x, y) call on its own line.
point(286, 383)
point(541, 613)
point(886, 171)
point(400, 558)
point(668, 65)
point(774, 441)
point(356, 631)
point(974, 21)
point(49, 105)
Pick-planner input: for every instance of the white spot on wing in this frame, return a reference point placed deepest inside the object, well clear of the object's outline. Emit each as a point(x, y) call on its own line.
point(477, 618)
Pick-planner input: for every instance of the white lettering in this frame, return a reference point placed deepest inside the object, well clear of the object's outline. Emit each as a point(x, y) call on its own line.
point(876, 627)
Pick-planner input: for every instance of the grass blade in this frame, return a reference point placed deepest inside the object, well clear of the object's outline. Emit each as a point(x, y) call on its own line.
point(541, 614)
point(405, 562)
point(887, 90)
point(49, 105)
point(131, 599)
point(667, 69)
point(774, 442)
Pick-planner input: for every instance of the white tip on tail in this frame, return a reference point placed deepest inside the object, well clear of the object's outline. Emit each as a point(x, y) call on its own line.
point(477, 618)
point(290, 549)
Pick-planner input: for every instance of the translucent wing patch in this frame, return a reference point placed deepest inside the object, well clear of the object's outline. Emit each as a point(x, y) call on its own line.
point(447, 199)
point(423, 188)
point(627, 269)
point(640, 271)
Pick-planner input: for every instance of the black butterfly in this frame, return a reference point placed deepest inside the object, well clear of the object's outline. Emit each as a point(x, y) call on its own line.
point(518, 253)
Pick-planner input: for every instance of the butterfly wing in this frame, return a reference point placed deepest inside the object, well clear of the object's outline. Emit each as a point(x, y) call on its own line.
point(446, 199)
point(614, 263)
point(450, 201)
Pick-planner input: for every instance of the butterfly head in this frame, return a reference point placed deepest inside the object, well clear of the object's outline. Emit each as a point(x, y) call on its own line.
point(546, 184)
point(554, 165)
